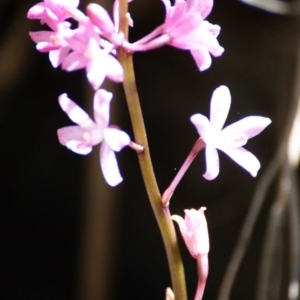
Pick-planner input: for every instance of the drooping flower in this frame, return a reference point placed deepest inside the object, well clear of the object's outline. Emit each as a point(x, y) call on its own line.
point(230, 139)
point(80, 139)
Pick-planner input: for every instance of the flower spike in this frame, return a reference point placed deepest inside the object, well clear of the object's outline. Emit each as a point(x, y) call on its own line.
point(230, 139)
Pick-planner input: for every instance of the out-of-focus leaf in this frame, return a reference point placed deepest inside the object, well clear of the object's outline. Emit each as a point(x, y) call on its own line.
point(276, 6)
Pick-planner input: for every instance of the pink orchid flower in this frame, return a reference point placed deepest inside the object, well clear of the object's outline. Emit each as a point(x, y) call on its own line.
point(80, 139)
point(230, 139)
point(53, 42)
point(194, 231)
point(185, 26)
point(87, 53)
point(52, 12)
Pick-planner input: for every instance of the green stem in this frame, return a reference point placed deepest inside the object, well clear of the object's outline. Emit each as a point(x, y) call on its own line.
point(162, 214)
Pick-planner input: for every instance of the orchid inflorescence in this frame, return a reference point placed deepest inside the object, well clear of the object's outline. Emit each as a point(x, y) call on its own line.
point(94, 46)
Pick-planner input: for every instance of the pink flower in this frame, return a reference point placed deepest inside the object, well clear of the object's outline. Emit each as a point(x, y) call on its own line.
point(80, 139)
point(185, 28)
point(87, 53)
point(194, 231)
point(185, 25)
point(52, 12)
point(53, 42)
point(231, 139)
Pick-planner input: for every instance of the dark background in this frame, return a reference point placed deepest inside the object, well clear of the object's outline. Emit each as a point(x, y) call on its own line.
point(43, 195)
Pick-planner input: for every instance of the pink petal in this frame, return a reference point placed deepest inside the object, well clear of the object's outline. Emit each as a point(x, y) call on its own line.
point(51, 19)
point(238, 140)
point(202, 125)
point(36, 11)
point(58, 56)
point(206, 35)
point(41, 36)
point(46, 47)
point(197, 226)
point(75, 113)
point(72, 138)
point(205, 7)
point(95, 73)
point(167, 4)
point(109, 165)
point(250, 126)
point(100, 18)
point(219, 107)
point(116, 138)
point(213, 29)
point(212, 163)
point(202, 58)
point(102, 100)
point(244, 158)
point(74, 61)
point(114, 69)
point(190, 4)
point(78, 147)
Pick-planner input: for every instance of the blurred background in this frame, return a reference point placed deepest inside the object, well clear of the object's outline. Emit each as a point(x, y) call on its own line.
point(64, 234)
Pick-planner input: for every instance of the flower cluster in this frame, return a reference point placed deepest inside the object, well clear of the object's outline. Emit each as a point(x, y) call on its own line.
point(92, 46)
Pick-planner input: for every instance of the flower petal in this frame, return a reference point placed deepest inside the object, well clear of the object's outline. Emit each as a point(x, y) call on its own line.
point(202, 125)
point(74, 61)
point(116, 138)
point(95, 72)
point(102, 100)
point(114, 69)
point(167, 4)
point(100, 18)
point(244, 158)
point(212, 163)
point(202, 58)
point(75, 113)
point(250, 126)
point(72, 138)
point(205, 7)
point(109, 165)
point(78, 147)
point(57, 57)
point(219, 107)
point(36, 11)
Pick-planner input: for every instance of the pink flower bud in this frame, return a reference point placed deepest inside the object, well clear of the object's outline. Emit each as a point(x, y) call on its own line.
point(194, 231)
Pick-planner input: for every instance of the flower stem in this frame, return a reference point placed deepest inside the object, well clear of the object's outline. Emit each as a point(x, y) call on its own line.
point(202, 265)
point(161, 213)
point(197, 147)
